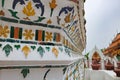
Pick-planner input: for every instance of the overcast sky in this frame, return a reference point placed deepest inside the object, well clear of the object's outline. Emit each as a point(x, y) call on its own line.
point(103, 22)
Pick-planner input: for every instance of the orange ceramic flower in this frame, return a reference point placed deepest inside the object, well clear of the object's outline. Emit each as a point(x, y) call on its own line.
point(53, 4)
point(4, 31)
point(28, 34)
point(48, 36)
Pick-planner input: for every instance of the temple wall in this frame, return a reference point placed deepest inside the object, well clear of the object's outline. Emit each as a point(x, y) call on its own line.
point(42, 38)
point(74, 71)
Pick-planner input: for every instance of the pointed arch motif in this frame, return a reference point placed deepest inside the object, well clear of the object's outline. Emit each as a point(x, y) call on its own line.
point(95, 49)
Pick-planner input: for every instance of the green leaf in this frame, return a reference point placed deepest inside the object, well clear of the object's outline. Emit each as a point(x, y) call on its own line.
point(41, 51)
point(87, 55)
point(61, 49)
point(33, 47)
point(39, 19)
point(25, 72)
point(0, 45)
point(7, 48)
point(13, 13)
point(67, 51)
point(17, 46)
point(64, 70)
point(74, 71)
point(47, 48)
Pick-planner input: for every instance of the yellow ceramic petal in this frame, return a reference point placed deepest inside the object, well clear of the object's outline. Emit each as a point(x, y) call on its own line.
point(24, 10)
point(26, 50)
point(4, 31)
point(55, 51)
point(32, 12)
point(70, 74)
point(49, 21)
point(67, 18)
point(28, 10)
point(48, 36)
point(28, 34)
point(5, 35)
point(66, 77)
point(6, 27)
point(29, 6)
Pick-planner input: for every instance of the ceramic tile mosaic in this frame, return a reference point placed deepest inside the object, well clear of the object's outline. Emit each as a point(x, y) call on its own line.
point(44, 14)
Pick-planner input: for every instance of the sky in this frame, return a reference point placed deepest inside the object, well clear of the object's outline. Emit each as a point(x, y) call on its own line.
point(103, 22)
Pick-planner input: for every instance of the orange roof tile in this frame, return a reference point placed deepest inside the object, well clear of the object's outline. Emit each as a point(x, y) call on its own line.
point(113, 47)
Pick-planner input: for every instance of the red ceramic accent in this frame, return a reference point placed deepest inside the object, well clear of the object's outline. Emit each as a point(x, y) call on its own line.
point(118, 64)
point(117, 71)
point(109, 66)
point(95, 66)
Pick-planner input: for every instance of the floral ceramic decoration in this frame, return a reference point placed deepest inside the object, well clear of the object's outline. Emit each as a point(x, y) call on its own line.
point(4, 31)
point(26, 22)
point(42, 36)
point(28, 34)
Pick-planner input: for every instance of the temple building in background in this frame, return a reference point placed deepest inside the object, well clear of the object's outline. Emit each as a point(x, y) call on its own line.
point(42, 39)
point(114, 48)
